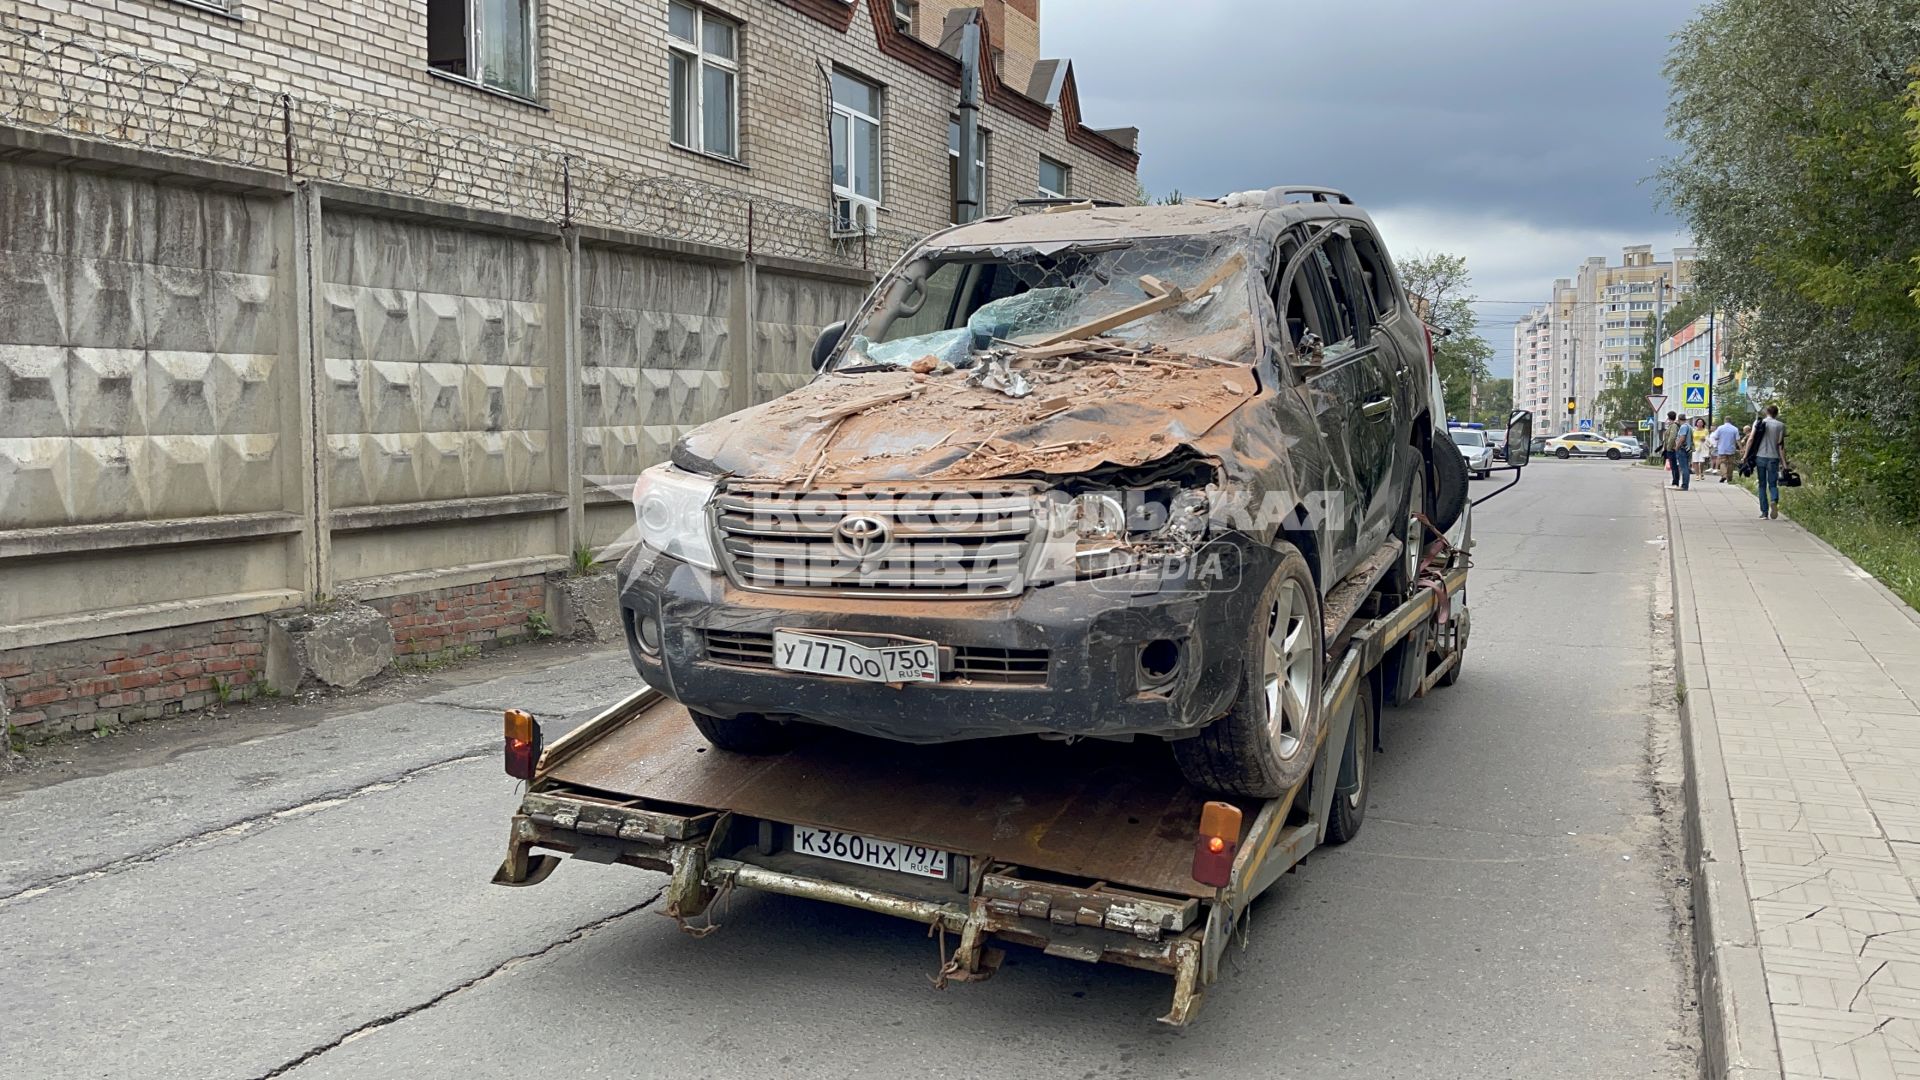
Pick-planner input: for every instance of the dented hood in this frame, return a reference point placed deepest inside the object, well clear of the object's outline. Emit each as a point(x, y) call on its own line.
point(900, 425)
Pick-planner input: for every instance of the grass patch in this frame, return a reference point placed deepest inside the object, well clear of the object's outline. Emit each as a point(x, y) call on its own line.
point(1885, 548)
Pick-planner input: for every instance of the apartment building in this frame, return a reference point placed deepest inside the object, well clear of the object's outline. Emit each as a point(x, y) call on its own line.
point(1533, 385)
point(1694, 358)
point(1602, 319)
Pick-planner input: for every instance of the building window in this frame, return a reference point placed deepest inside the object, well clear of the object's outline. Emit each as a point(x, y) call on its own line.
point(953, 174)
point(486, 42)
point(855, 126)
point(703, 61)
point(1056, 180)
point(906, 13)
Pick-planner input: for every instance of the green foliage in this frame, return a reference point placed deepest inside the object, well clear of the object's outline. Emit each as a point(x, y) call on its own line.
point(583, 561)
point(1496, 403)
point(538, 623)
point(1801, 124)
point(1445, 283)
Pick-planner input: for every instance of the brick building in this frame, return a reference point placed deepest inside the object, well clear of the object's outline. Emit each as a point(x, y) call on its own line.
point(355, 316)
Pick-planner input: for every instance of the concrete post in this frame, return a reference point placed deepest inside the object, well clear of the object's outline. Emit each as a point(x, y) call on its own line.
point(564, 300)
point(741, 316)
point(309, 315)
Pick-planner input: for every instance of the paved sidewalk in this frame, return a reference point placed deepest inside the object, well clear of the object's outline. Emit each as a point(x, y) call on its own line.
point(1801, 679)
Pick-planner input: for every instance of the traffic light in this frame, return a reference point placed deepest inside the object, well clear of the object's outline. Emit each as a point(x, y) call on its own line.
point(1572, 405)
point(1659, 379)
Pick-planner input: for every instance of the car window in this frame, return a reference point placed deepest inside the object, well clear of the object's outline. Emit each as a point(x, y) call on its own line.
point(1350, 288)
point(1339, 309)
point(1469, 438)
point(1301, 310)
point(1377, 272)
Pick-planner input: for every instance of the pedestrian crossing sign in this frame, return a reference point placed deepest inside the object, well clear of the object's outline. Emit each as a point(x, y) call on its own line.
point(1696, 395)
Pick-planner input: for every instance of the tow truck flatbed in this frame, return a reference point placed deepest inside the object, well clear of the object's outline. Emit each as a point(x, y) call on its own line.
point(1085, 851)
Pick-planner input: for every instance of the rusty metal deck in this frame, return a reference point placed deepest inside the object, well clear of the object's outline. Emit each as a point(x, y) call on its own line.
point(1111, 812)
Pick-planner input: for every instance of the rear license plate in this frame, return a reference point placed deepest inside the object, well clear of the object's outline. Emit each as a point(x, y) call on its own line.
point(866, 851)
point(883, 660)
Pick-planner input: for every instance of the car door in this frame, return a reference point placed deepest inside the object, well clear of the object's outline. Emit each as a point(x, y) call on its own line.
point(1348, 395)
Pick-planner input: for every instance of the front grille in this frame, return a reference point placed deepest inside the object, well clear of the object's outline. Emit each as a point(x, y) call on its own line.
point(974, 663)
point(964, 542)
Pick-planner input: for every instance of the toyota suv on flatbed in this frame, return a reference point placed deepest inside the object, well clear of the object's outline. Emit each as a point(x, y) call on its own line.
point(1083, 474)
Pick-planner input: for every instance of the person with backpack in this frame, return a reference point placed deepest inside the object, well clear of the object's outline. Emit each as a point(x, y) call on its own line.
point(1766, 450)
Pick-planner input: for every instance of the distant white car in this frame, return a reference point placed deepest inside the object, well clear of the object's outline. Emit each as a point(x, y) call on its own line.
point(1475, 448)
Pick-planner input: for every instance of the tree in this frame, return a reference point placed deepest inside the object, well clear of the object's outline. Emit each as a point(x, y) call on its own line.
point(1496, 403)
point(1443, 284)
point(1799, 177)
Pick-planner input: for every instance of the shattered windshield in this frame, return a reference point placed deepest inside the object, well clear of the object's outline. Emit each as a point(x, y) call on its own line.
point(1188, 294)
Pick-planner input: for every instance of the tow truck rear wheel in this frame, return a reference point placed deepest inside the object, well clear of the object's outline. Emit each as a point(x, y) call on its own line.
point(749, 733)
point(1349, 806)
point(1266, 742)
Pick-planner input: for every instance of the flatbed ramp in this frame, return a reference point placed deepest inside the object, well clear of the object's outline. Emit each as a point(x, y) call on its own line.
point(1113, 811)
point(1085, 851)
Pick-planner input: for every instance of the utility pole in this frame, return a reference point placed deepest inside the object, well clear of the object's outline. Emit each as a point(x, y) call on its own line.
point(1710, 375)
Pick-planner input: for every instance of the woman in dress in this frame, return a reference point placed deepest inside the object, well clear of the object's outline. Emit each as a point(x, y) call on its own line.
point(1702, 447)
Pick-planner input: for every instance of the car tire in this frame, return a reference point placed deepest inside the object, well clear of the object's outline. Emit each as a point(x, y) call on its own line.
point(1448, 496)
point(748, 733)
point(1349, 807)
point(1401, 576)
point(1563, 453)
point(1613, 454)
point(1267, 741)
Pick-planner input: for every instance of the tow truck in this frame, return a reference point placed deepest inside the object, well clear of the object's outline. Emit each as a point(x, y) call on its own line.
point(1096, 852)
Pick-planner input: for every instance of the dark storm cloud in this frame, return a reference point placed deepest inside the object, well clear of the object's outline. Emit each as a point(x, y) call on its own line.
point(1543, 111)
point(1518, 133)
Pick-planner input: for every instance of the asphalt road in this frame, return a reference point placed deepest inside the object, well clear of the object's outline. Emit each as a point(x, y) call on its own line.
point(302, 891)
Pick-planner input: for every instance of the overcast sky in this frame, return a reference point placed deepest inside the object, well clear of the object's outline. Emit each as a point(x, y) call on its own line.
point(1519, 133)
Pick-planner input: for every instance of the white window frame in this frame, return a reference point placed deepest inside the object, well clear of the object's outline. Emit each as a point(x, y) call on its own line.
point(476, 34)
point(854, 213)
point(696, 52)
point(1066, 171)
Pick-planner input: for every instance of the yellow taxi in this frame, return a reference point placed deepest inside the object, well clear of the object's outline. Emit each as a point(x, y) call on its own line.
point(1588, 444)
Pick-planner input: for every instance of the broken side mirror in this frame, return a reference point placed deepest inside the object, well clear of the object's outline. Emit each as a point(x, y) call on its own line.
point(828, 341)
point(1519, 439)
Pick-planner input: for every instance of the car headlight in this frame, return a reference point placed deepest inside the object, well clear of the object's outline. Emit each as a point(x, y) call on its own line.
point(670, 511)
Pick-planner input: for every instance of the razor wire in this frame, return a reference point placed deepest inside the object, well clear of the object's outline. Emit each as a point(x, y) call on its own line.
point(89, 89)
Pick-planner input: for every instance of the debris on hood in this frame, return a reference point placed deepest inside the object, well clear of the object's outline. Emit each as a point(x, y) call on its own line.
point(994, 372)
point(1057, 410)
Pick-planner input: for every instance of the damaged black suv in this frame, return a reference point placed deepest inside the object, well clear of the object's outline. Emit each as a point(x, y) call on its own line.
point(1074, 474)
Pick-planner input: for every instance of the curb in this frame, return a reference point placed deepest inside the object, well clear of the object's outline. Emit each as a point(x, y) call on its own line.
point(1736, 1012)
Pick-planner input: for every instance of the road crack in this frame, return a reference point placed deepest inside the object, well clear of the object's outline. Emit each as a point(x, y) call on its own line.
point(501, 968)
point(242, 827)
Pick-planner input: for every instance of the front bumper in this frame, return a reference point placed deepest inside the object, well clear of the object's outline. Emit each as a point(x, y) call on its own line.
point(1091, 634)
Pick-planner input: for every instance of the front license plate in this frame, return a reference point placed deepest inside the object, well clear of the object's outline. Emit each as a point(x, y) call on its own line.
point(884, 660)
point(866, 851)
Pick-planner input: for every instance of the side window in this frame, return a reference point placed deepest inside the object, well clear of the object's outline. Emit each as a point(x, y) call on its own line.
point(1303, 309)
point(1378, 273)
point(1340, 324)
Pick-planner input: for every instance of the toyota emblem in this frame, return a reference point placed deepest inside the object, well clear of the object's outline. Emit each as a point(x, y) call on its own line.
point(861, 537)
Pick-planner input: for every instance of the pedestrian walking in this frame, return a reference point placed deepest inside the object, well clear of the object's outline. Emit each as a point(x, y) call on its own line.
point(1702, 447)
point(1726, 444)
point(1680, 451)
point(1766, 449)
point(1666, 448)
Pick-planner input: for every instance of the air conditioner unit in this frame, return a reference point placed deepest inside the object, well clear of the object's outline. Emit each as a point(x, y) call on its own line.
point(854, 215)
